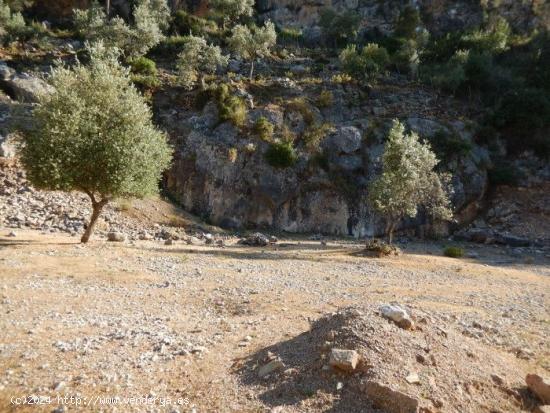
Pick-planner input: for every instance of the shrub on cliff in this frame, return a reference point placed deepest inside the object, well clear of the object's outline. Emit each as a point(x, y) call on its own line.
point(264, 129)
point(408, 181)
point(197, 59)
point(337, 28)
point(281, 155)
point(230, 107)
point(366, 64)
point(95, 134)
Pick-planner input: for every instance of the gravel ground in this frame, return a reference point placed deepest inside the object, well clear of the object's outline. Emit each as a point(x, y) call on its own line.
point(173, 323)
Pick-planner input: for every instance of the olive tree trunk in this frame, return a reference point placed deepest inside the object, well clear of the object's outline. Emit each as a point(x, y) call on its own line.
point(251, 70)
point(97, 207)
point(390, 227)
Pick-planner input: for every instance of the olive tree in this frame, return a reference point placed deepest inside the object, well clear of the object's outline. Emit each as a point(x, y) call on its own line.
point(150, 17)
point(231, 10)
point(253, 43)
point(94, 134)
point(198, 58)
point(12, 23)
point(408, 181)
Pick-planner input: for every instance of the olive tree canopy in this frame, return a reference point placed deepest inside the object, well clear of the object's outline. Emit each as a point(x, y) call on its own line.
point(95, 134)
point(408, 181)
point(253, 43)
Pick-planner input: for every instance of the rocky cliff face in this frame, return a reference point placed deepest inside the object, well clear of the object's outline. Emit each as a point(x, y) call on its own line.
point(439, 15)
point(221, 173)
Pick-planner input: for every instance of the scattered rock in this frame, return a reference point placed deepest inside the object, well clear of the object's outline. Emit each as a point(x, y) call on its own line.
point(346, 360)
point(540, 386)
point(255, 240)
point(412, 378)
point(272, 366)
point(389, 399)
point(116, 237)
point(169, 241)
point(398, 315)
point(12, 234)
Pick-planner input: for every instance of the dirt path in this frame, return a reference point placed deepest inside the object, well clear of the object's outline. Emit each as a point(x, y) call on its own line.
point(174, 322)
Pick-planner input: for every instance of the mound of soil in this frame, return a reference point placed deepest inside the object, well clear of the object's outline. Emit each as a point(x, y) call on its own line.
point(432, 368)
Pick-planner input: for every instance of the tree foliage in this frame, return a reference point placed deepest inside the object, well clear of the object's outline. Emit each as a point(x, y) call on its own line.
point(253, 43)
point(408, 181)
point(231, 10)
point(12, 24)
point(150, 18)
point(95, 134)
point(339, 28)
point(366, 64)
point(199, 58)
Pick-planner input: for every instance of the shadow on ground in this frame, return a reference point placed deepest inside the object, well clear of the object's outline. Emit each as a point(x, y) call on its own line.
point(303, 383)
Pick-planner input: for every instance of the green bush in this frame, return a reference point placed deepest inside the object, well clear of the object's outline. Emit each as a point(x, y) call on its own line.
point(454, 252)
point(231, 108)
point(314, 135)
point(185, 24)
point(407, 23)
point(447, 145)
point(170, 46)
point(289, 35)
point(367, 64)
point(146, 81)
point(524, 116)
point(143, 66)
point(264, 129)
point(337, 28)
point(281, 155)
point(302, 106)
point(325, 99)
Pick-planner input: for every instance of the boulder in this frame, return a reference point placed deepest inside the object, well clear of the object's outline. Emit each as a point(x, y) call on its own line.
point(22, 86)
point(345, 140)
point(255, 240)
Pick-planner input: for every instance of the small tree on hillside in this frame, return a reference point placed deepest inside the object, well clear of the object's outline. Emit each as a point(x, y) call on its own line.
point(231, 10)
point(199, 58)
point(94, 134)
point(408, 181)
point(252, 44)
point(150, 18)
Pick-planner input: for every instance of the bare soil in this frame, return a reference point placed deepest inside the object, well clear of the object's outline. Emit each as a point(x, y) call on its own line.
point(193, 323)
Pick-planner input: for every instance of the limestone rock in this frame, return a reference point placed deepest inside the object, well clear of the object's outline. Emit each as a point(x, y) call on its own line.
point(390, 400)
point(398, 315)
point(22, 86)
point(346, 360)
point(255, 240)
point(272, 366)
